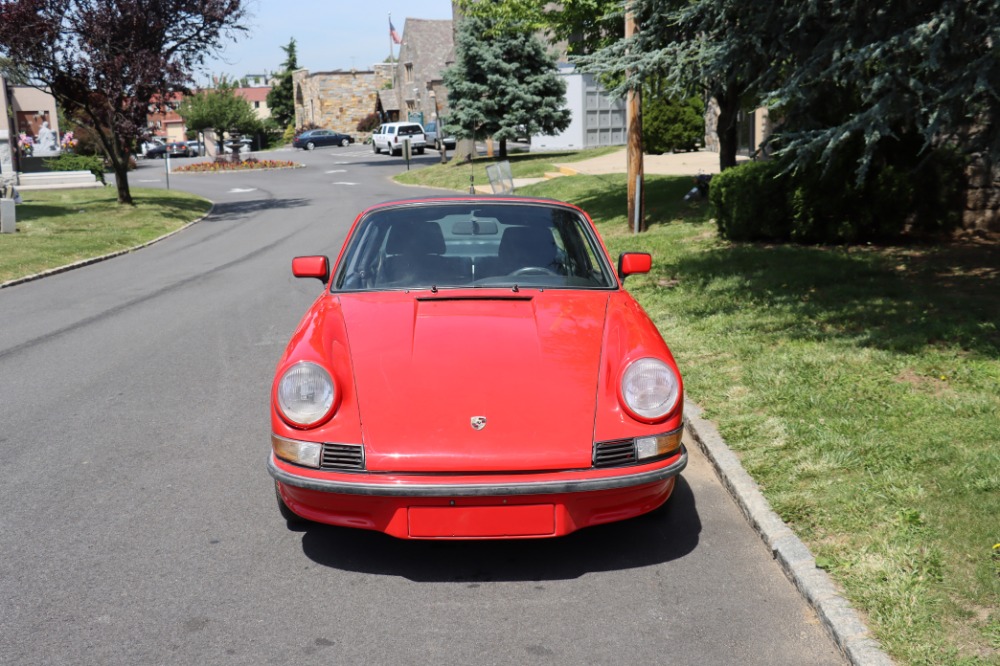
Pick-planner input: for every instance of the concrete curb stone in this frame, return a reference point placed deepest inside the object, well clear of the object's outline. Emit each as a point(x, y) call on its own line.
point(839, 619)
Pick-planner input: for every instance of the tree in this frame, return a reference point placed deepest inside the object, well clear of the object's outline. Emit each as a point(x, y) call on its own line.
point(106, 63)
point(584, 25)
point(281, 98)
point(219, 109)
point(503, 84)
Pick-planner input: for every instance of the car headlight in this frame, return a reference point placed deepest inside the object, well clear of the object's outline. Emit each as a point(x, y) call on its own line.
point(306, 394)
point(650, 389)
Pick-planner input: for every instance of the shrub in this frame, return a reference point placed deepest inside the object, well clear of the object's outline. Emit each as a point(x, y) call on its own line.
point(669, 126)
point(905, 194)
point(369, 123)
point(750, 202)
point(74, 162)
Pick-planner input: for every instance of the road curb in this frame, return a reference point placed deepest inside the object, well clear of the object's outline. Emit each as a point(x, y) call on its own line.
point(103, 257)
point(838, 617)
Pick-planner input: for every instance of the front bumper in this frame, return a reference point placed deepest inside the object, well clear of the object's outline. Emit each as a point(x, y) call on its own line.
point(492, 506)
point(491, 486)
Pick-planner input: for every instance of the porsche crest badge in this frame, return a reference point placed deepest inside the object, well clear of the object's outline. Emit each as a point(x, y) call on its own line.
point(478, 422)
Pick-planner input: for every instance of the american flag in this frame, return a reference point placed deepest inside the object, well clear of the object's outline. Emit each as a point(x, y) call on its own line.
point(393, 34)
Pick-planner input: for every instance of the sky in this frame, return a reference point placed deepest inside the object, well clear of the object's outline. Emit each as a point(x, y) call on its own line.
point(329, 34)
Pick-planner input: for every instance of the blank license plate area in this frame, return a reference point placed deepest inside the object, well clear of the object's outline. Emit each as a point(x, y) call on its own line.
point(470, 522)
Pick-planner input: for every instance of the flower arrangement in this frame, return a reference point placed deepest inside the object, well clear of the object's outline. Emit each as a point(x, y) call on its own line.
point(26, 144)
point(68, 141)
point(225, 165)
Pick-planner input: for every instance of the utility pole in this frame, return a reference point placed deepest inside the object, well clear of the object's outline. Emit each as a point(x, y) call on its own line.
point(633, 116)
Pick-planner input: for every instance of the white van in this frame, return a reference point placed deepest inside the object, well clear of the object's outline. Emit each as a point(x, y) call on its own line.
point(390, 137)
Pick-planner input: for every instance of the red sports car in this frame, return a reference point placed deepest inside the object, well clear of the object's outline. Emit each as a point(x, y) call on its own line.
point(473, 369)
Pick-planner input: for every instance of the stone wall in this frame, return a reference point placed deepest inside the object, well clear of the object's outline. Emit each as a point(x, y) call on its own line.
point(337, 100)
point(982, 197)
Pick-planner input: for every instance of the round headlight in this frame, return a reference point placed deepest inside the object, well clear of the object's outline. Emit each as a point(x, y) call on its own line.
point(650, 388)
point(305, 394)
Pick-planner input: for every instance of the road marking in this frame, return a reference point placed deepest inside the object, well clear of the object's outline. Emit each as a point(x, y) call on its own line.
point(338, 171)
point(153, 180)
point(241, 190)
point(343, 183)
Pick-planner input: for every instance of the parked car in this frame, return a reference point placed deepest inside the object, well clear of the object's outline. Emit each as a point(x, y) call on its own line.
point(195, 149)
point(390, 137)
point(148, 145)
point(431, 135)
point(321, 137)
point(173, 149)
point(474, 369)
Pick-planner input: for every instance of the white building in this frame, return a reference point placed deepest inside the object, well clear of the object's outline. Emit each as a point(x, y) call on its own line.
point(596, 119)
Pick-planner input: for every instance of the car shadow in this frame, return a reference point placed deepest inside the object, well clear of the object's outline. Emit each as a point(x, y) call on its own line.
point(669, 533)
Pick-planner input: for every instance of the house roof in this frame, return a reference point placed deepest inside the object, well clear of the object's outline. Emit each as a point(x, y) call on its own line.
point(258, 94)
point(388, 100)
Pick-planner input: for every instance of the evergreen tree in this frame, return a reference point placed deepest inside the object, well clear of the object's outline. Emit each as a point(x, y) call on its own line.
point(281, 98)
point(503, 84)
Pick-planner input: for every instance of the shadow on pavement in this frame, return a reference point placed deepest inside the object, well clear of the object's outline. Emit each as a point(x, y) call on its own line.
point(668, 533)
point(224, 212)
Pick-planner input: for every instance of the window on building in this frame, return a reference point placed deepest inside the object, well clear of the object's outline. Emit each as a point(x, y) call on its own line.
point(408, 71)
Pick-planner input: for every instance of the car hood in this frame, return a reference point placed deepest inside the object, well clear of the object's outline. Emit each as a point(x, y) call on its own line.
point(427, 366)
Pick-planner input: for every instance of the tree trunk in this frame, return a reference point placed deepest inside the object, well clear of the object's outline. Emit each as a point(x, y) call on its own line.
point(121, 180)
point(119, 164)
point(728, 128)
point(503, 149)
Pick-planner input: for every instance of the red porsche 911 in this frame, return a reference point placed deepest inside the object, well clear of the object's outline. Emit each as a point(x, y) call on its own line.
point(473, 369)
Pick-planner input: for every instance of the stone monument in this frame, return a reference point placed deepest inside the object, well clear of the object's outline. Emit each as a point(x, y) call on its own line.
point(46, 144)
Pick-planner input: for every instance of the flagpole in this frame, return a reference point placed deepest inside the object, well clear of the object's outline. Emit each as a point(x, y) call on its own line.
point(392, 59)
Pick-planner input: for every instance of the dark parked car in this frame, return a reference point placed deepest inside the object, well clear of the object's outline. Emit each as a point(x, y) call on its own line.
point(173, 149)
point(321, 137)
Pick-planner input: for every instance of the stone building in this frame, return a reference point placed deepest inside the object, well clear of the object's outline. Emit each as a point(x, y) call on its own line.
point(338, 100)
point(400, 90)
point(427, 49)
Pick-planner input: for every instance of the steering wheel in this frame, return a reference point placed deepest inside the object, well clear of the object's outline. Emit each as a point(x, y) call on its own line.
point(533, 270)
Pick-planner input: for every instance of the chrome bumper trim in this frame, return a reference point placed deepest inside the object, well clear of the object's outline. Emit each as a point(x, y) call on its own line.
point(478, 489)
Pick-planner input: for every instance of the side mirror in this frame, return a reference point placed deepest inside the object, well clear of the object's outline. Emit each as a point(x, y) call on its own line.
point(630, 263)
point(311, 267)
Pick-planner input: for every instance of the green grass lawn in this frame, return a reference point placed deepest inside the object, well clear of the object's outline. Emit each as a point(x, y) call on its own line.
point(59, 227)
point(860, 387)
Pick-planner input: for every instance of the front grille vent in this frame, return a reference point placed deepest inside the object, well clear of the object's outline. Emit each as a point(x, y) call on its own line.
point(343, 456)
point(614, 454)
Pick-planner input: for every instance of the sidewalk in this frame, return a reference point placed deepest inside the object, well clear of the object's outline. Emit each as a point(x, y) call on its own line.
point(668, 164)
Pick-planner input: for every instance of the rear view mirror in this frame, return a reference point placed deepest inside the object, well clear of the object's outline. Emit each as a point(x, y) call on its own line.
point(311, 267)
point(630, 263)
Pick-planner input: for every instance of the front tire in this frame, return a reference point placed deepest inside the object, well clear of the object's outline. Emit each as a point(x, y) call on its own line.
point(375, 148)
point(345, 143)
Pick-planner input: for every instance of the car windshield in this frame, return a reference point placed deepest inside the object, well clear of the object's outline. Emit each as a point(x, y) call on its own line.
point(468, 244)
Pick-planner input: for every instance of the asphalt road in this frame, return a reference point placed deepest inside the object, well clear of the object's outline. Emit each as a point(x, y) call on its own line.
point(139, 524)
